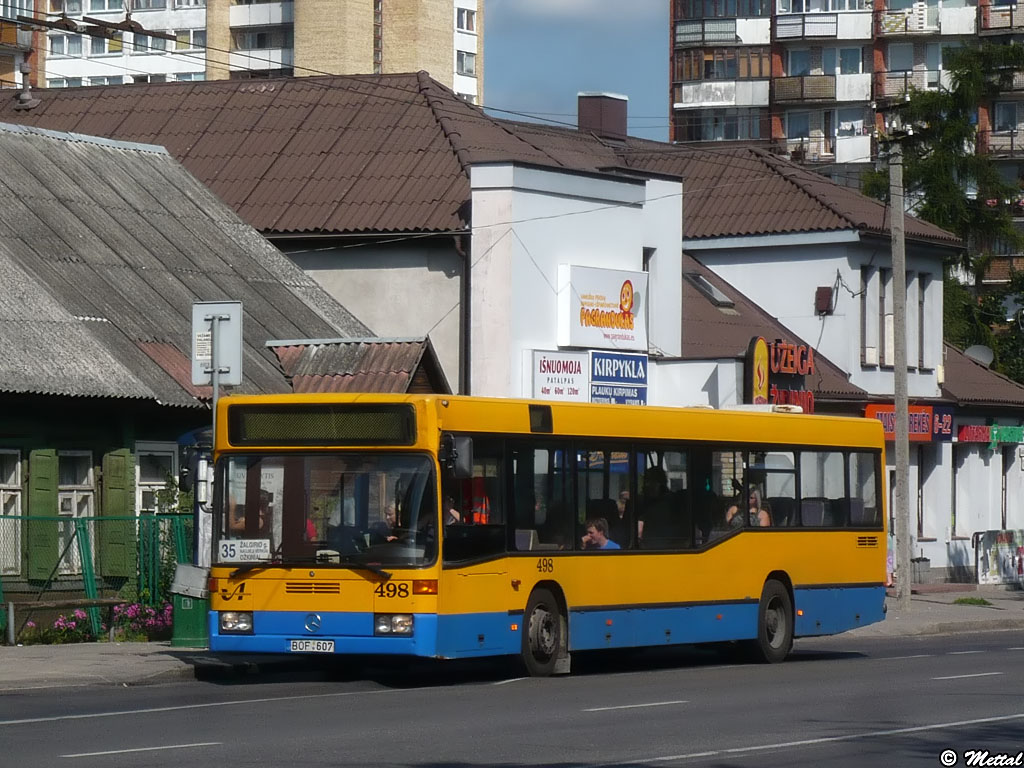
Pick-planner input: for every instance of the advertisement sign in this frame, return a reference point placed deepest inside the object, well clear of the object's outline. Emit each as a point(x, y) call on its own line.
point(602, 308)
point(618, 378)
point(1000, 557)
point(942, 423)
point(775, 373)
point(919, 421)
point(994, 435)
point(561, 376)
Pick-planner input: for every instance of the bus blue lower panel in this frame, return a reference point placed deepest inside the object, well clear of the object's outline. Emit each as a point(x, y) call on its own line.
point(837, 609)
point(669, 625)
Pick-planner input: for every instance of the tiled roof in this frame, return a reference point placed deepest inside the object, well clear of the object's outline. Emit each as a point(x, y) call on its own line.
point(713, 332)
point(104, 246)
point(362, 365)
point(390, 153)
point(968, 382)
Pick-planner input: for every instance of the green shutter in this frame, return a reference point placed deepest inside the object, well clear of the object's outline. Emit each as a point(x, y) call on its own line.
point(42, 549)
point(116, 538)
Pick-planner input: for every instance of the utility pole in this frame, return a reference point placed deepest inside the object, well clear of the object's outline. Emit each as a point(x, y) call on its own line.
point(901, 493)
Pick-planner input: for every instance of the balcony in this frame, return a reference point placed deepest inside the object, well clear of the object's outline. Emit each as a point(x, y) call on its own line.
point(848, 25)
point(706, 32)
point(804, 88)
point(12, 38)
point(828, 149)
point(1002, 144)
point(898, 84)
point(1001, 18)
point(262, 14)
point(721, 93)
point(922, 19)
point(958, 21)
point(262, 58)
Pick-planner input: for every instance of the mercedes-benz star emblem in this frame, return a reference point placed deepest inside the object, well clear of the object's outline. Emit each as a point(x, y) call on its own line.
point(312, 622)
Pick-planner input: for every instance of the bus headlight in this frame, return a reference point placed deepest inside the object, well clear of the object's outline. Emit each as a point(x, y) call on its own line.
point(236, 621)
point(392, 624)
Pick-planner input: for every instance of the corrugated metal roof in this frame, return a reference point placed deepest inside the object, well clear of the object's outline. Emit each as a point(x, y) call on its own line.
point(359, 365)
point(390, 153)
point(103, 249)
point(969, 382)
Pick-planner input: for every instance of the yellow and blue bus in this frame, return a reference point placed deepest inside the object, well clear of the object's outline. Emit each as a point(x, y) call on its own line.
point(451, 527)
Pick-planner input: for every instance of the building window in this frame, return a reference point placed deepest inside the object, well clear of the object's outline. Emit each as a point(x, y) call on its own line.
point(923, 289)
point(190, 76)
point(901, 57)
point(68, 7)
point(10, 511)
point(722, 64)
point(726, 124)
point(466, 64)
point(465, 20)
point(469, 98)
point(189, 39)
point(145, 44)
point(149, 78)
point(189, 3)
point(259, 38)
point(64, 82)
point(102, 46)
point(1005, 117)
point(885, 317)
point(156, 467)
point(115, 80)
point(106, 5)
point(798, 125)
point(148, 5)
point(76, 497)
point(799, 62)
point(711, 9)
point(66, 45)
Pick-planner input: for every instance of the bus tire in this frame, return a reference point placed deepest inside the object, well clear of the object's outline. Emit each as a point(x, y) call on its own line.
point(543, 627)
point(774, 624)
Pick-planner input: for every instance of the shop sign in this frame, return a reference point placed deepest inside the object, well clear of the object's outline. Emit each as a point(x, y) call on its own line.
point(999, 556)
point(919, 421)
point(776, 373)
point(602, 308)
point(561, 376)
point(994, 435)
point(618, 378)
point(942, 423)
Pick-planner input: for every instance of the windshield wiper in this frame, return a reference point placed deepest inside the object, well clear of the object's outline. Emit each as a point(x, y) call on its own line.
point(356, 566)
point(246, 567)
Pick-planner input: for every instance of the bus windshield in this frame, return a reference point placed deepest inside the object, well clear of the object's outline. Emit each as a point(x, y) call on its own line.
point(363, 509)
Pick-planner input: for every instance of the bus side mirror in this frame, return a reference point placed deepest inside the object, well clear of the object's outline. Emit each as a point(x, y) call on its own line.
point(456, 455)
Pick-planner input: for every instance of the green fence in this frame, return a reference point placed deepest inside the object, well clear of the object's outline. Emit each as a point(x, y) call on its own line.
point(90, 559)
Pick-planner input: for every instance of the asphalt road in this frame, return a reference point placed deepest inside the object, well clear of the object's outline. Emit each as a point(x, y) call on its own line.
point(837, 701)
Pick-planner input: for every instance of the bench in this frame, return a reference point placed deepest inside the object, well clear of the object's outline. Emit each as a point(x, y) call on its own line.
point(84, 603)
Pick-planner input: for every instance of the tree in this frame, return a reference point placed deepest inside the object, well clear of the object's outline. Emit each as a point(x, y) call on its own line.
point(952, 185)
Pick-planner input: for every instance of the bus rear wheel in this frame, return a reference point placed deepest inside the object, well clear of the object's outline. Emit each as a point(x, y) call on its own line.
point(542, 634)
point(774, 624)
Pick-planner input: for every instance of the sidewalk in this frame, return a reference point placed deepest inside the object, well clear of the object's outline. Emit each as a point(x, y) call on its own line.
point(932, 611)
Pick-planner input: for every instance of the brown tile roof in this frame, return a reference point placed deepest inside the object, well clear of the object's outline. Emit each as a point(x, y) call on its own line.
point(390, 153)
point(712, 332)
point(362, 365)
point(968, 382)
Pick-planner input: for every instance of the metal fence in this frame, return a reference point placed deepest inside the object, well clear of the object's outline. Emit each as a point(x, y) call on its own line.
point(88, 561)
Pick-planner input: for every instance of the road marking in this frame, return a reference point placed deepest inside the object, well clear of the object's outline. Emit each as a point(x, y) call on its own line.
point(961, 653)
point(960, 677)
point(511, 680)
point(180, 707)
point(1017, 648)
point(146, 749)
point(828, 739)
point(915, 656)
point(634, 706)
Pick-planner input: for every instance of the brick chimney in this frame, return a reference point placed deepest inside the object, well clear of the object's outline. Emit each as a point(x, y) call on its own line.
point(603, 114)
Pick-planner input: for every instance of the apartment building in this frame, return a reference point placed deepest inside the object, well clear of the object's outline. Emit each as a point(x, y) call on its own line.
point(237, 39)
point(810, 78)
point(15, 43)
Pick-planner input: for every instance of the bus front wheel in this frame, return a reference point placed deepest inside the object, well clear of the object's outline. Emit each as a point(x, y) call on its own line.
point(542, 633)
point(774, 624)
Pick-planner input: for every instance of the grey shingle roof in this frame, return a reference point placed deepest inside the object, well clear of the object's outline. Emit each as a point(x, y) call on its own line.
point(104, 246)
point(968, 382)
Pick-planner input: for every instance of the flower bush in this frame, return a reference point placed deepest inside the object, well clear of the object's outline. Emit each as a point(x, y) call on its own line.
point(131, 622)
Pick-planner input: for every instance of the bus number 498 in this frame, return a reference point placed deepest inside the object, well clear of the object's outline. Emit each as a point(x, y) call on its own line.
point(546, 565)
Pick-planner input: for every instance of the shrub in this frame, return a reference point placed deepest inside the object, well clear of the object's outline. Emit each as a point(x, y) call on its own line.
point(131, 622)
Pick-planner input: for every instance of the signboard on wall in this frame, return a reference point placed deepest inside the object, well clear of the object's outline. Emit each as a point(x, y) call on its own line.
point(919, 420)
point(775, 373)
point(616, 377)
point(602, 308)
point(999, 555)
point(561, 376)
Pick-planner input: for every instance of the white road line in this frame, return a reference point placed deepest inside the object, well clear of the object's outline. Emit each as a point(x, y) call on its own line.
point(178, 708)
point(634, 706)
point(960, 677)
point(961, 653)
point(511, 680)
point(146, 749)
point(1017, 648)
point(828, 739)
point(915, 656)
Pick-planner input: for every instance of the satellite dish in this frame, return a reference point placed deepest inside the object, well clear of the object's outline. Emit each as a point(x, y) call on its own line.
point(979, 353)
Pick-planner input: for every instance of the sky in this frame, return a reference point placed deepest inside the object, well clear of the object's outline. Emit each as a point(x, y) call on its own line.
point(538, 54)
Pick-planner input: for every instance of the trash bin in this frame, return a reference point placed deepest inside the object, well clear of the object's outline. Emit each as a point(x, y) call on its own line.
point(921, 566)
point(191, 603)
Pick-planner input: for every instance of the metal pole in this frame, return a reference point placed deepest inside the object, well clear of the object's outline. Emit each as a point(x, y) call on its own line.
point(11, 634)
point(203, 519)
point(901, 494)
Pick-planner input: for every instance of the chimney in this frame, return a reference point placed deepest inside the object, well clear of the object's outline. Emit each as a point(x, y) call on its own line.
point(603, 114)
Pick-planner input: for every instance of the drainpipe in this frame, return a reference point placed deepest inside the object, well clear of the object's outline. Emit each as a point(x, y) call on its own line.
point(464, 249)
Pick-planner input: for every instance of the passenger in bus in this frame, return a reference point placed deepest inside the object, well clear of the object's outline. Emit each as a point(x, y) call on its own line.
point(596, 536)
point(756, 517)
point(655, 505)
point(451, 514)
point(618, 523)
